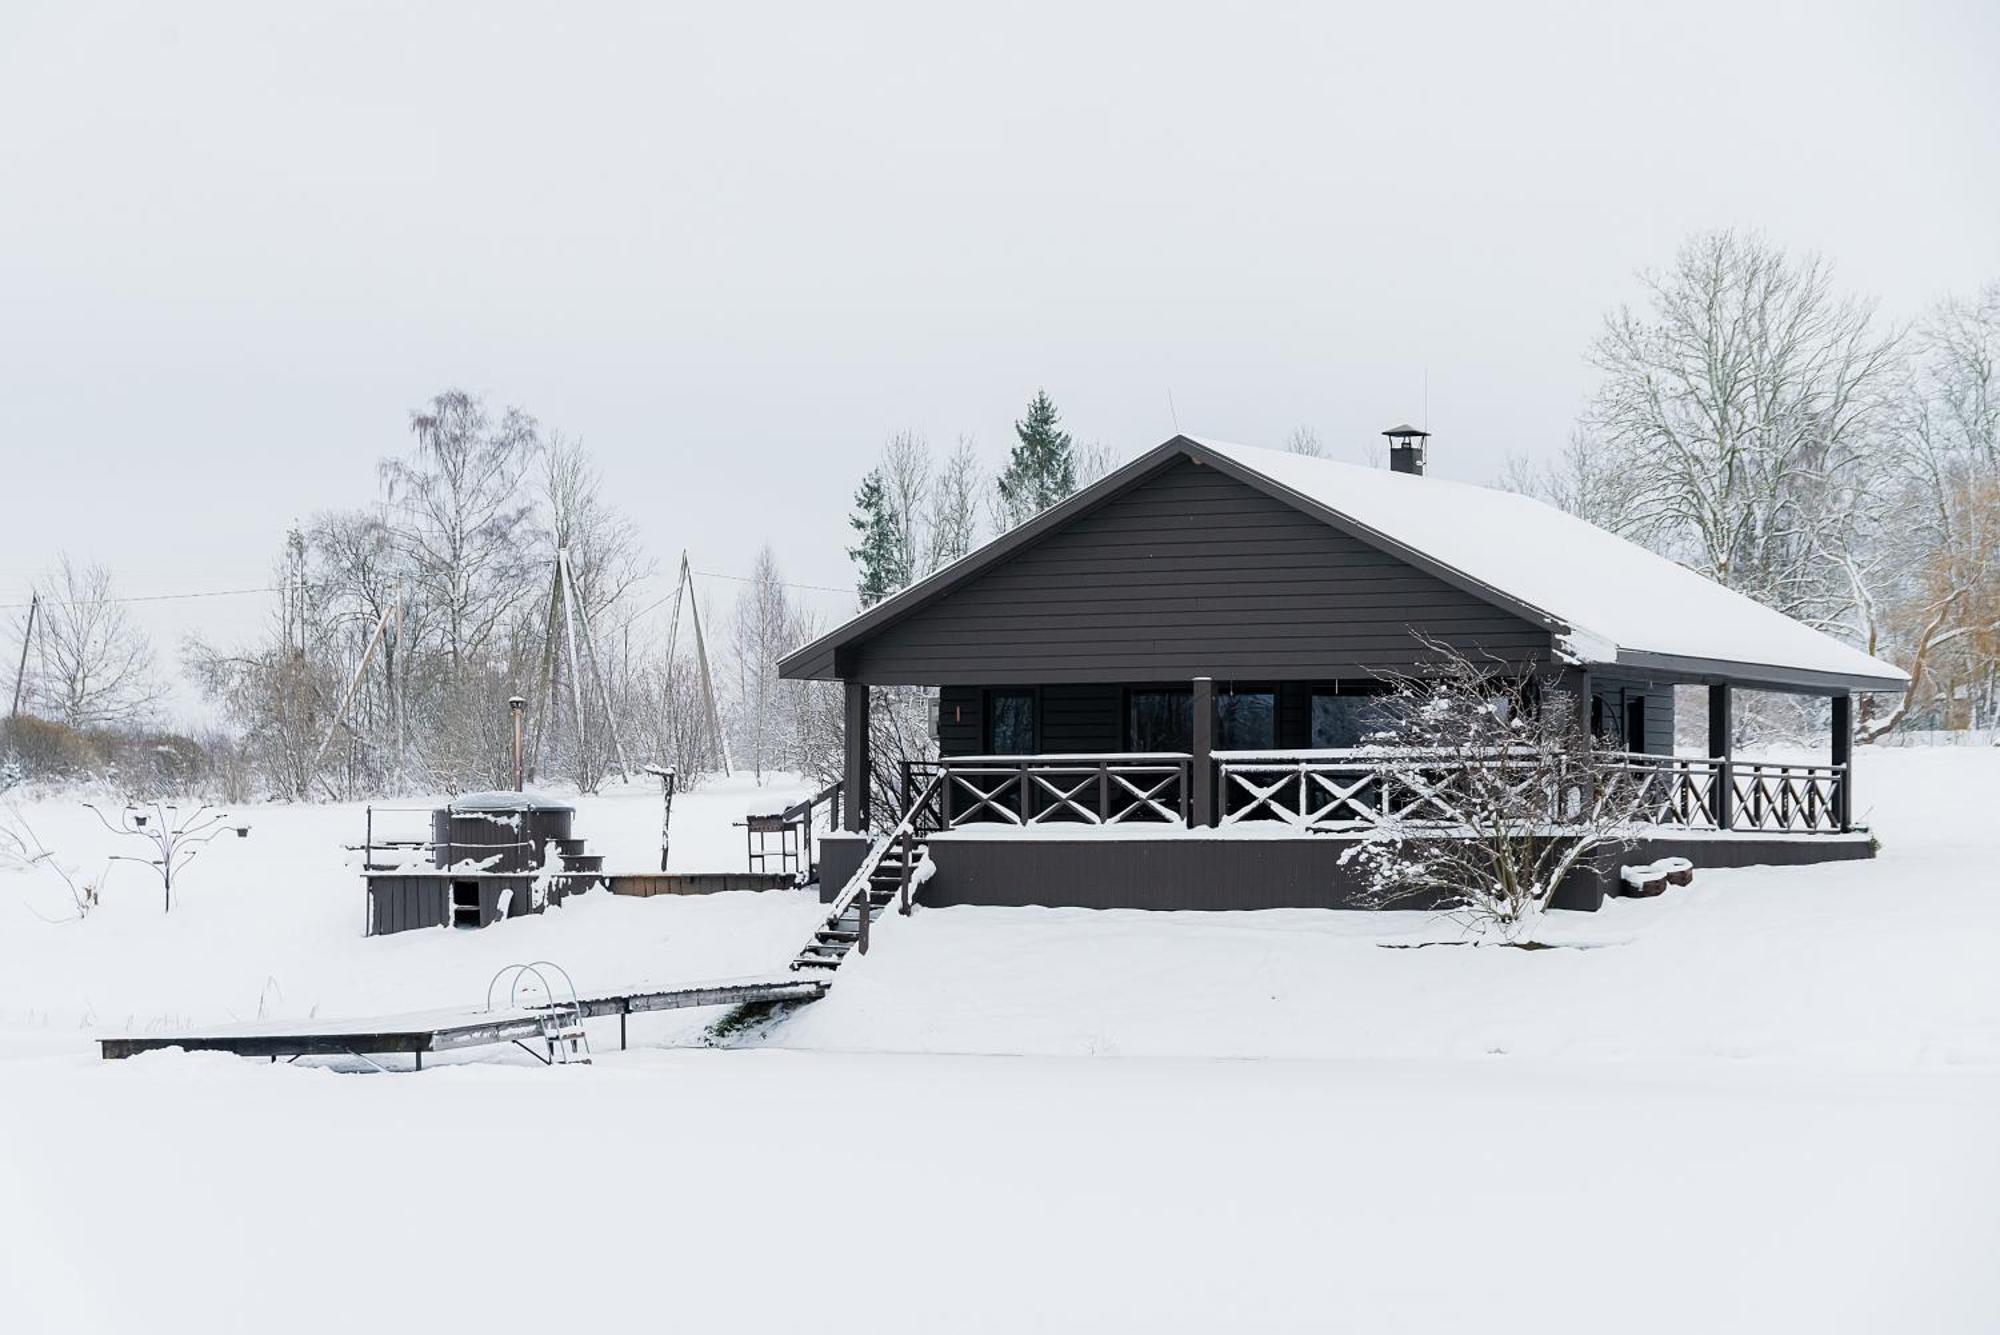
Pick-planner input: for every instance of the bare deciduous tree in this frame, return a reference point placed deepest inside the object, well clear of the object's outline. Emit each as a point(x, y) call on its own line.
point(1304, 440)
point(763, 633)
point(1585, 480)
point(954, 507)
point(93, 666)
point(461, 515)
point(1748, 404)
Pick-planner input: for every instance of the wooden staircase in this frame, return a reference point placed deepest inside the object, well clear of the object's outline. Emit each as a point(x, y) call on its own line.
point(577, 870)
point(889, 875)
point(847, 929)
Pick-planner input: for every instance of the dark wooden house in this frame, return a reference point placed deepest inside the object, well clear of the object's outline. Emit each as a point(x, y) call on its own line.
point(1196, 641)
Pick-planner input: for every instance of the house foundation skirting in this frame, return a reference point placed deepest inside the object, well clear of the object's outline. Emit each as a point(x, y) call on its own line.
point(1181, 872)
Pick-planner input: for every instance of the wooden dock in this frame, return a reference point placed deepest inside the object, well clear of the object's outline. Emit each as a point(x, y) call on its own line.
point(420, 1032)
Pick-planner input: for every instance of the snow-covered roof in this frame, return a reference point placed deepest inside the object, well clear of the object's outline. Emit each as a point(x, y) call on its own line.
point(1609, 602)
point(1621, 602)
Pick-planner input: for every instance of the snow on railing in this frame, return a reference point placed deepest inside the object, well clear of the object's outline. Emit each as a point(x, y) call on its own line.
point(1356, 787)
point(1085, 789)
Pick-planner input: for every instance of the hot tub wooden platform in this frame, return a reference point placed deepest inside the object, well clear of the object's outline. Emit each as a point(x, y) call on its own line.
point(696, 882)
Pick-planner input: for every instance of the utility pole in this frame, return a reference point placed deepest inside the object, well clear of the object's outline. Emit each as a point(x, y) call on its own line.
point(590, 649)
point(21, 673)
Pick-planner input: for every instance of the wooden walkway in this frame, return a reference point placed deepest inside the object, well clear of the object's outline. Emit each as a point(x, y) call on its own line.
point(420, 1032)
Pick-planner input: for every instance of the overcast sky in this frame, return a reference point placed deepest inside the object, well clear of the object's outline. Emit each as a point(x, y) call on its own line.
point(733, 247)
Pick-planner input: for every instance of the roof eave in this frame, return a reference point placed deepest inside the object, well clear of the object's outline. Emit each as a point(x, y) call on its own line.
point(1760, 676)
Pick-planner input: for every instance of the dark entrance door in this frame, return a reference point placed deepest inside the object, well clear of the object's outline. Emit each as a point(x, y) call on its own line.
point(1635, 723)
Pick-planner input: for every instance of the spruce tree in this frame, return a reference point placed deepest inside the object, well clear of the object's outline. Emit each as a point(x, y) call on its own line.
point(1042, 468)
point(880, 555)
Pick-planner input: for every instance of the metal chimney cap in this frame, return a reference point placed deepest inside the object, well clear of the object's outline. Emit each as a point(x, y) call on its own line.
point(1405, 432)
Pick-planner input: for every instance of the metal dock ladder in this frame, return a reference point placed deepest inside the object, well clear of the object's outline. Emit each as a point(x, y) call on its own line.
point(558, 1014)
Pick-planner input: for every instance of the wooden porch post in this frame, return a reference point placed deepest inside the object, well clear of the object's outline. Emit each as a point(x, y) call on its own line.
point(1843, 756)
point(1721, 745)
point(854, 786)
point(1202, 781)
point(1578, 682)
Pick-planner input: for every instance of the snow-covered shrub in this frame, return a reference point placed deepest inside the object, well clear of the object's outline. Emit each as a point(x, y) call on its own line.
point(1495, 796)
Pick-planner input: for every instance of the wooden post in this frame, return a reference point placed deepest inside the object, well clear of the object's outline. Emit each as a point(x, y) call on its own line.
point(27, 635)
point(909, 847)
point(854, 786)
point(1203, 778)
point(864, 903)
point(1843, 758)
point(1721, 747)
point(1577, 681)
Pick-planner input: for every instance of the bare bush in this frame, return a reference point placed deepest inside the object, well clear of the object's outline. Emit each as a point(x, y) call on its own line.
point(1505, 798)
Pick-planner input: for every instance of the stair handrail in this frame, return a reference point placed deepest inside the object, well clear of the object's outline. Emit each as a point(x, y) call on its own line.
point(906, 826)
point(805, 806)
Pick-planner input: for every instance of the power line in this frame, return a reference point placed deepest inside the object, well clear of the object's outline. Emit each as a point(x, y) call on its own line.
point(148, 597)
point(746, 579)
point(274, 588)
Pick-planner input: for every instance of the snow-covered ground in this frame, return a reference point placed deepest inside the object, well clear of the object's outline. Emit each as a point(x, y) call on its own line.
point(1764, 1102)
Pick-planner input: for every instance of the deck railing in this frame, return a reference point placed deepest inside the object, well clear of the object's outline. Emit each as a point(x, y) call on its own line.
point(1333, 788)
point(1150, 787)
point(1771, 795)
point(1354, 788)
point(1677, 791)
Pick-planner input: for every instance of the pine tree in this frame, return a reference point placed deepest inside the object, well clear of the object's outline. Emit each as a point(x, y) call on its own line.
point(880, 556)
point(1042, 468)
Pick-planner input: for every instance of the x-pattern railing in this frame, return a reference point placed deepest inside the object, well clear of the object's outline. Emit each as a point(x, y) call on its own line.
point(1359, 789)
point(1673, 791)
point(1669, 790)
point(1786, 797)
point(1048, 790)
point(1335, 790)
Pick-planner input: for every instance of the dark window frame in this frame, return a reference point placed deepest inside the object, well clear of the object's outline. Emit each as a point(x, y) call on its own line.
point(1341, 691)
point(1127, 734)
point(987, 697)
point(1272, 689)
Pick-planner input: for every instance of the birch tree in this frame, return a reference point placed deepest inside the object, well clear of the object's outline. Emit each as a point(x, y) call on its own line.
point(762, 634)
point(954, 507)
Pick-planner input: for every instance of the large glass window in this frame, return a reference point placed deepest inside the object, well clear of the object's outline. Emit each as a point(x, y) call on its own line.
point(1246, 720)
point(1347, 720)
point(1010, 723)
point(1160, 720)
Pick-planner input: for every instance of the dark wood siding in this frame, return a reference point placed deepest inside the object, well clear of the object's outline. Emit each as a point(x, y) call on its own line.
point(1180, 872)
point(1190, 573)
point(959, 720)
point(1617, 692)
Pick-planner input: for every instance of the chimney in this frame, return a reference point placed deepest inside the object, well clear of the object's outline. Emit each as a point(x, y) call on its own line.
point(1406, 449)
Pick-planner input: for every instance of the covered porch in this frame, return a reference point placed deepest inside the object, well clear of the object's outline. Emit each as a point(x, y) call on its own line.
point(1212, 784)
point(1213, 827)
